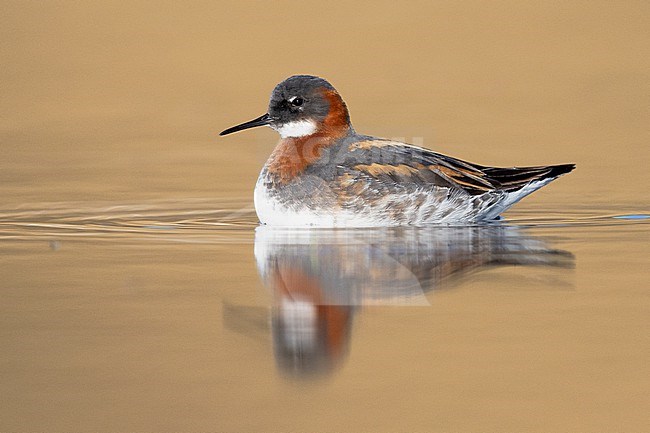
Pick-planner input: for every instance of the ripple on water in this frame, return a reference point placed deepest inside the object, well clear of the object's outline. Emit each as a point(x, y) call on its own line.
point(633, 217)
point(226, 221)
point(196, 220)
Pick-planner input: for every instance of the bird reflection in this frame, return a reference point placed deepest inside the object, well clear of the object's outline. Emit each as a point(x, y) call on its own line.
point(319, 278)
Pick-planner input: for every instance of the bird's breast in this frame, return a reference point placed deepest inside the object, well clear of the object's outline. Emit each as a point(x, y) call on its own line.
point(293, 155)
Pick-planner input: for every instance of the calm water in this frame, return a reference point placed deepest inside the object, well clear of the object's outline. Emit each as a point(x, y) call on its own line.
point(187, 317)
point(139, 294)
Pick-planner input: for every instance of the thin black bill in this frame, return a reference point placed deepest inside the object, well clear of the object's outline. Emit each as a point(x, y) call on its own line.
point(260, 121)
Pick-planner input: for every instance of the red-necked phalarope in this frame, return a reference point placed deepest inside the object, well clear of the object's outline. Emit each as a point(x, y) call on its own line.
point(322, 173)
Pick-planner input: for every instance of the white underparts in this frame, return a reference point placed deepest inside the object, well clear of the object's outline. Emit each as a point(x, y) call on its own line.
point(434, 207)
point(299, 128)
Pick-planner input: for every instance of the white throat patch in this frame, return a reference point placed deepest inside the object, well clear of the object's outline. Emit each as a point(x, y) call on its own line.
point(298, 128)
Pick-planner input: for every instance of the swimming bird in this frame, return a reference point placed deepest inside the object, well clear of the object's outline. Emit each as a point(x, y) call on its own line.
point(322, 173)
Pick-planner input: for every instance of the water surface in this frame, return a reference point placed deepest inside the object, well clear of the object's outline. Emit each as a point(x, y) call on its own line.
point(140, 295)
point(158, 312)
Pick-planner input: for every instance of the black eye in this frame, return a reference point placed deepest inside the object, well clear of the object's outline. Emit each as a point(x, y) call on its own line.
point(297, 101)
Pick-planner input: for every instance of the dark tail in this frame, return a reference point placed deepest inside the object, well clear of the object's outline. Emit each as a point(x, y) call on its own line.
point(559, 170)
point(514, 178)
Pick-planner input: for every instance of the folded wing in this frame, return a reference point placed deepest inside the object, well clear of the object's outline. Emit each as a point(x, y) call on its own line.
point(404, 163)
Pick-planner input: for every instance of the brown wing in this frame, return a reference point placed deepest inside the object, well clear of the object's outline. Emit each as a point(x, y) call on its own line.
point(402, 163)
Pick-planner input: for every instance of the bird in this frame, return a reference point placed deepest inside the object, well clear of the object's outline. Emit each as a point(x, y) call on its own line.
point(322, 173)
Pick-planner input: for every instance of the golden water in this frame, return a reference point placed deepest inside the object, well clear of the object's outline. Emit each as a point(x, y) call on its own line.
point(139, 295)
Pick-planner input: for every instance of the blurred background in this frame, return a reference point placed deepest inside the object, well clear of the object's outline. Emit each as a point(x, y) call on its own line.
point(139, 295)
point(106, 100)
